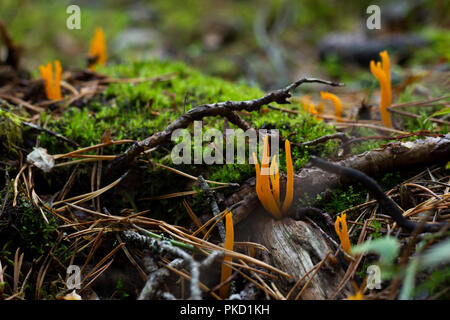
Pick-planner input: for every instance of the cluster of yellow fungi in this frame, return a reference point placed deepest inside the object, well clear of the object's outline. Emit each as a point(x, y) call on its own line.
point(52, 78)
point(309, 107)
point(381, 71)
point(270, 197)
point(229, 244)
point(52, 83)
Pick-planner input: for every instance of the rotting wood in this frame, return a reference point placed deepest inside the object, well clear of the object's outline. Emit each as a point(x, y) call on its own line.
point(295, 247)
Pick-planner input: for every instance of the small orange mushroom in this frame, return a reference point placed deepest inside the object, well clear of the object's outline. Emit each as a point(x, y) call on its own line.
point(336, 102)
point(98, 48)
point(52, 84)
point(340, 227)
point(382, 72)
point(359, 292)
point(229, 243)
point(290, 178)
point(270, 198)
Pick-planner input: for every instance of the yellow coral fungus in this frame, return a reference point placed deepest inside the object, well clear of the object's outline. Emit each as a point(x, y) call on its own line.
point(275, 180)
point(312, 109)
point(382, 72)
point(229, 243)
point(52, 84)
point(290, 178)
point(357, 296)
point(270, 198)
point(341, 230)
point(336, 102)
point(98, 48)
point(359, 292)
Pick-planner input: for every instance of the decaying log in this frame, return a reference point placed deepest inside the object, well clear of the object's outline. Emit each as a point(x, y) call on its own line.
point(296, 247)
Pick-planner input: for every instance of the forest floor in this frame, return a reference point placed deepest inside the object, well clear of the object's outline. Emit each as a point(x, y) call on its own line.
point(88, 180)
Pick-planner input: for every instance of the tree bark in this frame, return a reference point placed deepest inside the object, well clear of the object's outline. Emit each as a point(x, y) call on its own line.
point(296, 247)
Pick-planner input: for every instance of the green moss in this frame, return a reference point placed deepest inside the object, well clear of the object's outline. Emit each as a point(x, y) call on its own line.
point(392, 179)
point(233, 173)
point(10, 130)
point(436, 283)
point(37, 236)
point(342, 199)
point(24, 228)
point(120, 291)
point(128, 110)
point(439, 42)
point(377, 226)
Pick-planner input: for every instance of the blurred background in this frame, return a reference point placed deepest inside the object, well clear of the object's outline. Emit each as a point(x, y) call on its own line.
point(267, 43)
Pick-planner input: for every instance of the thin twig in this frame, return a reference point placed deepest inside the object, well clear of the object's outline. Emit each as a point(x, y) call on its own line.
point(52, 133)
point(226, 109)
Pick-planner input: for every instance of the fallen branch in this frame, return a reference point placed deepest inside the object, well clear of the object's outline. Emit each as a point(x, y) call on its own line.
point(163, 246)
point(210, 195)
point(52, 133)
point(422, 133)
point(418, 103)
point(415, 116)
point(387, 205)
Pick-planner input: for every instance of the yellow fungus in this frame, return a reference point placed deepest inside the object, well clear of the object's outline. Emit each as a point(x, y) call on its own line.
point(52, 83)
point(309, 107)
point(359, 292)
point(98, 48)
point(336, 102)
point(229, 243)
point(357, 296)
point(305, 101)
point(341, 230)
point(382, 72)
point(275, 180)
point(290, 178)
point(270, 198)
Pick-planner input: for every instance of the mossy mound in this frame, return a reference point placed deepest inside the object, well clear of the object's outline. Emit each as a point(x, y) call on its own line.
point(136, 111)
